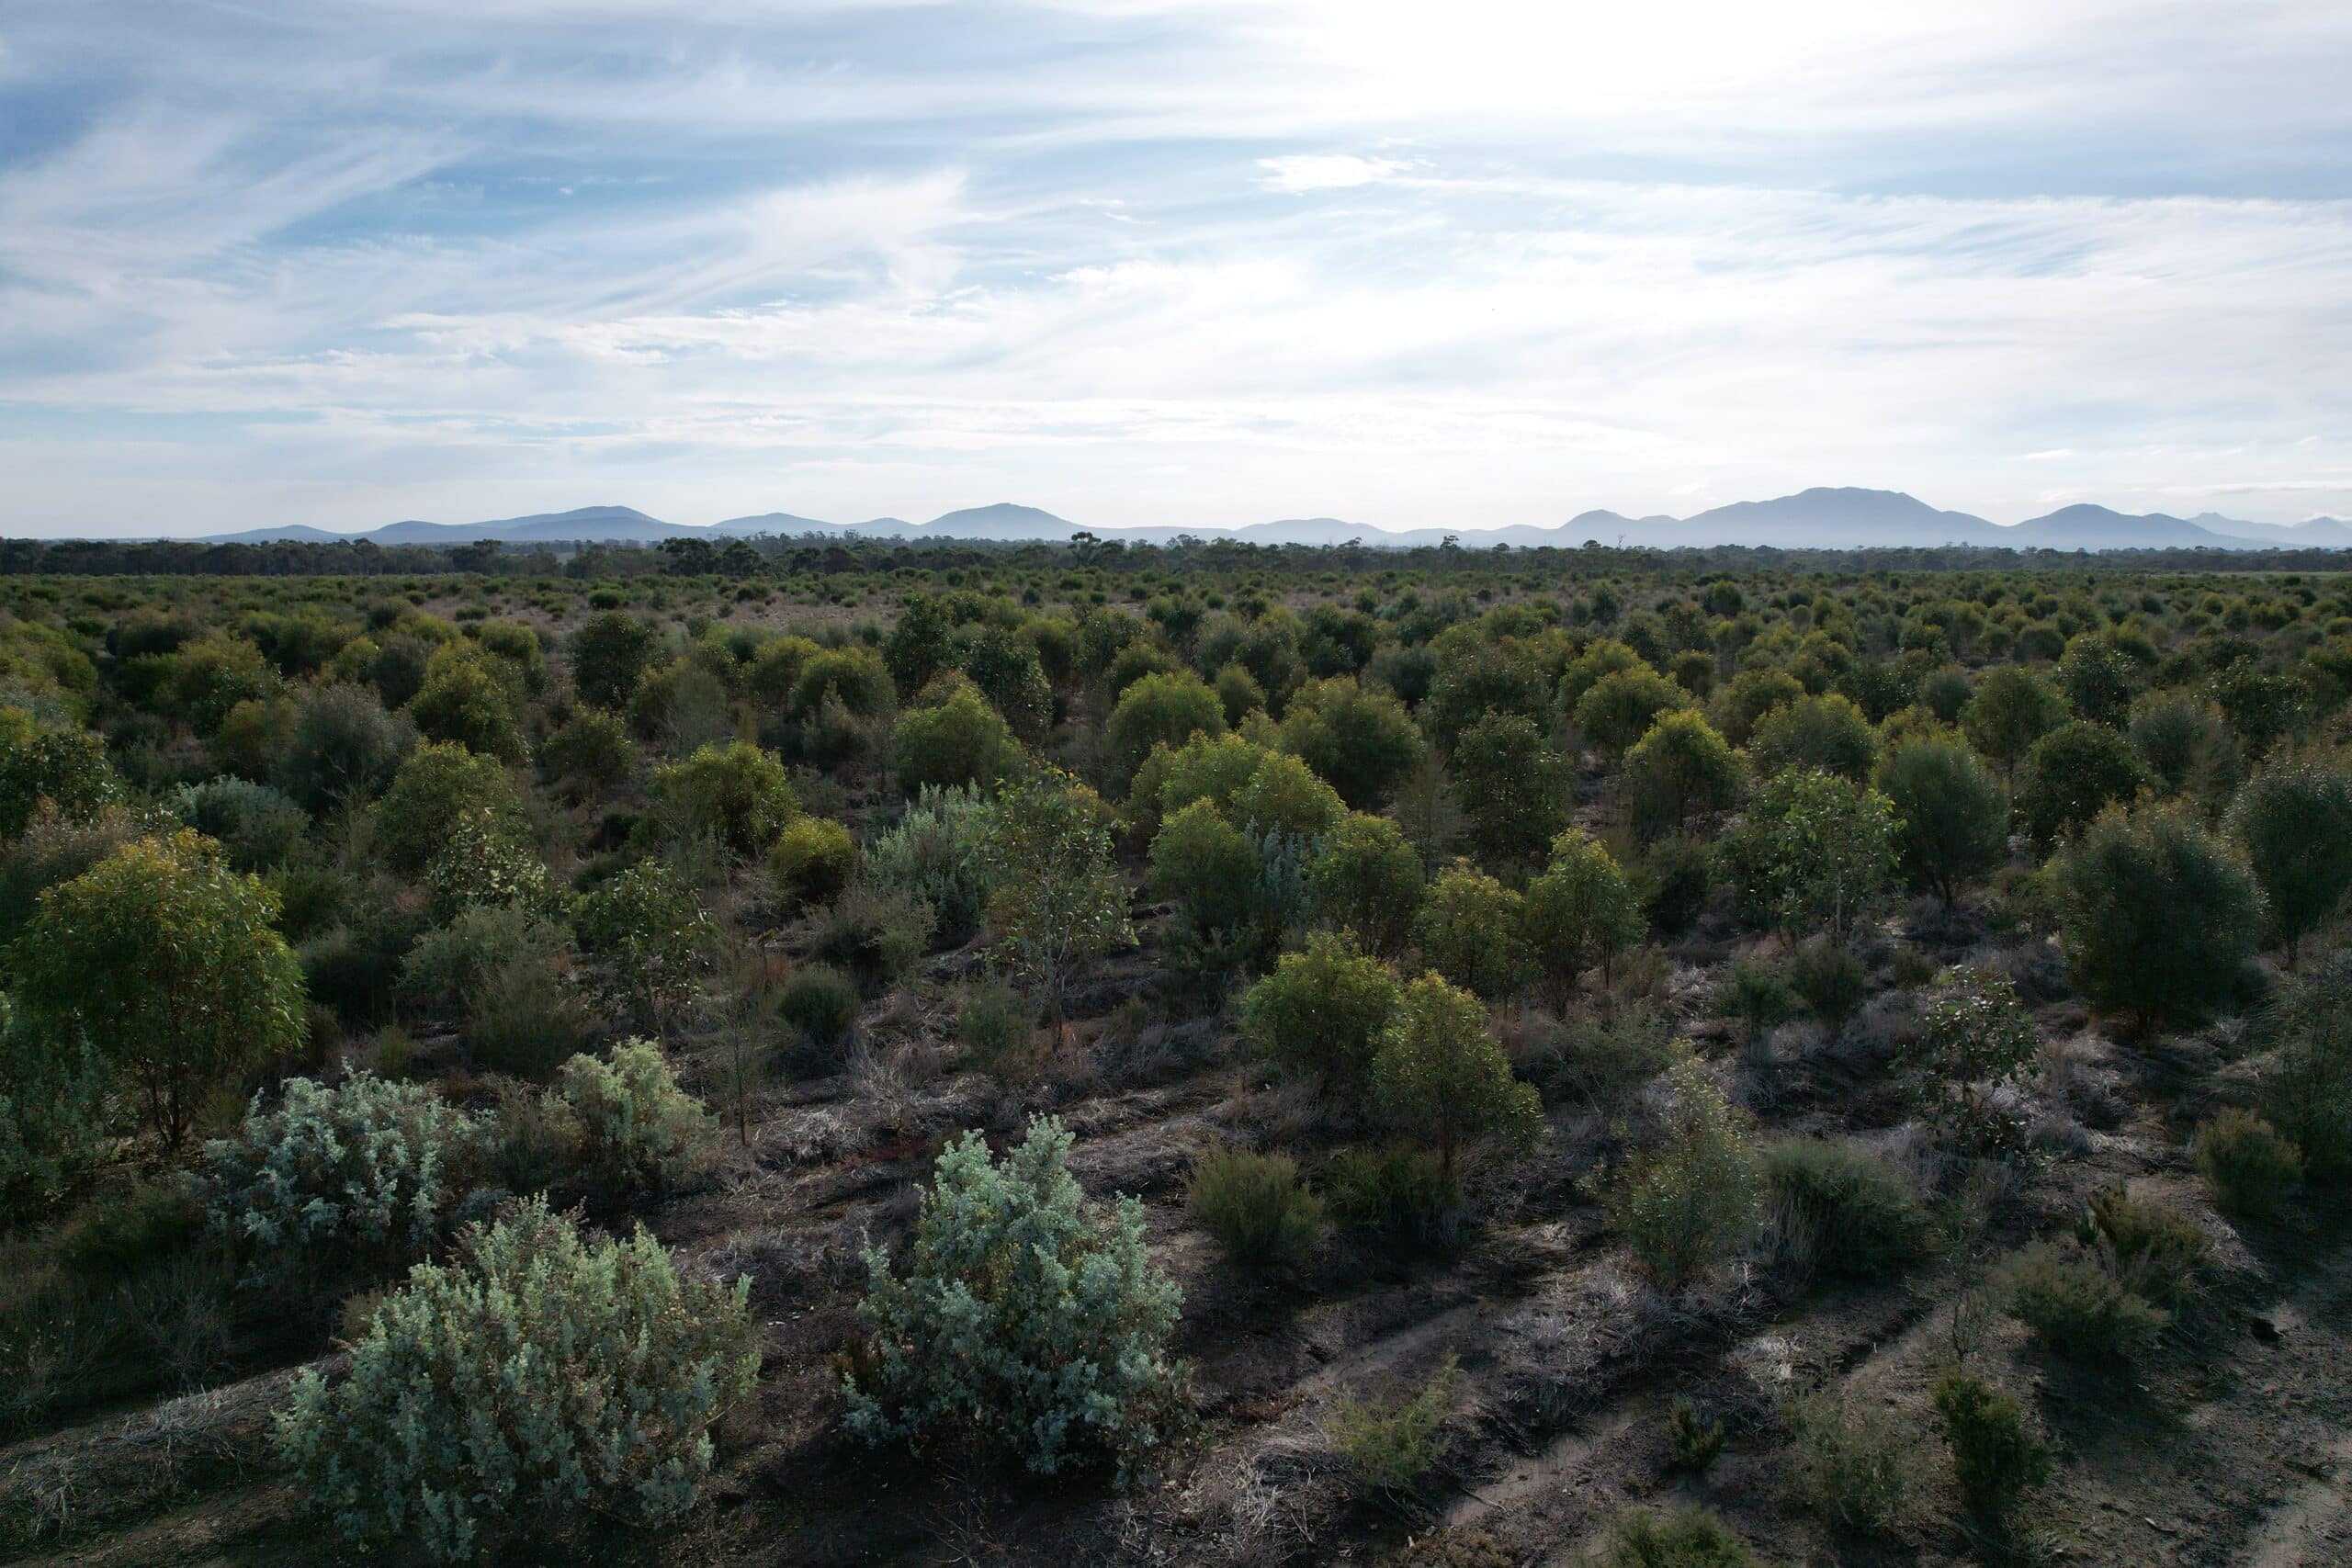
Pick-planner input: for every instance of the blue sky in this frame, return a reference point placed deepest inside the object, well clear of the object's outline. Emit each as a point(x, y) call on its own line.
point(1166, 261)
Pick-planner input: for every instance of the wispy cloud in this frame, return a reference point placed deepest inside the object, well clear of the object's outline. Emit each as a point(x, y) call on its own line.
point(426, 257)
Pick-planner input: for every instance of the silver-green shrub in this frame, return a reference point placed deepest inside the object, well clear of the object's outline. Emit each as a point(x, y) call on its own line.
point(640, 1131)
point(1027, 1317)
point(542, 1373)
point(366, 1169)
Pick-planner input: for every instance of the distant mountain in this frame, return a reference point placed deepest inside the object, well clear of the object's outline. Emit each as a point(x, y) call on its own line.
point(1813, 519)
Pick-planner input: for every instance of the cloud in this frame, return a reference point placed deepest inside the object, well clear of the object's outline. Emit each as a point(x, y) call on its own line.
point(1325, 171)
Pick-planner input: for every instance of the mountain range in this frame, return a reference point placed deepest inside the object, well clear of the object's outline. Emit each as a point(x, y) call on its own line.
point(1813, 519)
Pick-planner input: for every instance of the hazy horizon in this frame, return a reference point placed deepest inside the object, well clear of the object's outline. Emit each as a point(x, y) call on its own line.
point(1160, 262)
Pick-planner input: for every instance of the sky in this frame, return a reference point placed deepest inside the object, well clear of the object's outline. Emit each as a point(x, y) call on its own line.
point(1156, 262)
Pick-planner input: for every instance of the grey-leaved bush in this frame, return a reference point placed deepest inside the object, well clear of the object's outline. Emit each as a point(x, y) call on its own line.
point(1027, 1318)
point(335, 1175)
point(540, 1374)
point(640, 1131)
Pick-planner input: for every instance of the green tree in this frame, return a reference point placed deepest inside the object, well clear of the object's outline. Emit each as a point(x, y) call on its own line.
point(1368, 880)
point(1056, 900)
point(1322, 1010)
point(1621, 705)
point(610, 653)
point(1512, 786)
point(2098, 679)
point(168, 964)
point(1360, 740)
point(920, 644)
point(650, 936)
point(2072, 774)
point(958, 740)
point(736, 795)
point(1439, 1070)
point(2293, 819)
point(1472, 930)
point(1690, 1198)
point(1827, 732)
point(1161, 709)
point(38, 762)
point(1753, 694)
point(1966, 1066)
point(2011, 709)
point(464, 703)
point(2156, 918)
point(1953, 816)
point(1580, 913)
point(439, 784)
point(1813, 854)
point(1681, 769)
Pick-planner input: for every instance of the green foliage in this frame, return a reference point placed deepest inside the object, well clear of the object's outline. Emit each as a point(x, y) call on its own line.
point(1813, 854)
point(2098, 679)
point(52, 1105)
point(2151, 1246)
point(1513, 788)
point(2156, 918)
point(591, 753)
point(2293, 819)
point(1255, 1206)
point(1680, 771)
point(1751, 694)
point(486, 859)
point(1855, 1464)
point(736, 795)
point(1693, 1439)
point(1620, 707)
point(1027, 1317)
point(2072, 774)
point(257, 826)
point(1360, 740)
point(1674, 879)
point(539, 1375)
point(875, 936)
point(1996, 1455)
point(1160, 710)
point(958, 740)
point(1952, 814)
point(166, 963)
point(1368, 880)
point(438, 785)
point(1836, 1209)
point(2186, 747)
point(2307, 1083)
point(38, 763)
point(1827, 733)
point(2253, 1169)
point(1322, 1010)
point(1394, 1186)
point(610, 654)
point(1755, 993)
point(821, 1002)
point(1580, 913)
point(1688, 1537)
point(2011, 709)
point(363, 1172)
point(1688, 1198)
point(1056, 900)
point(640, 1132)
point(2080, 1309)
point(997, 1028)
point(507, 970)
point(1471, 930)
point(921, 643)
point(1390, 1444)
point(463, 702)
point(1439, 1070)
point(648, 935)
point(813, 860)
point(929, 855)
point(1829, 979)
point(1966, 1067)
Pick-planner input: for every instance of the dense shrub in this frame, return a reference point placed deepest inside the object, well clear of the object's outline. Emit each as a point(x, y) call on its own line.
point(1322, 1011)
point(1254, 1205)
point(1996, 1455)
point(1396, 1188)
point(1688, 1537)
point(2253, 1169)
point(1827, 733)
point(1360, 740)
point(508, 973)
point(871, 934)
point(648, 935)
point(639, 1132)
point(256, 825)
point(1368, 880)
point(1839, 1209)
point(2153, 1248)
point(1854, 1464)
point(2078, 1308)
point(363, 1172)
point(1680, 771)
point(928, 856)
point(1580, 913)
point(997, 1028)
point(813, 860)
point(2072, 774)
point(1438, 1071)
point(1692, 1439)
point(1812, 854)
point(1389, 1444)
point(2293, 819)
point(590, 752)
point(1027, 1316)
point(821, 1003)
point(1471, 930)
point(1965, 1065)
point(736, 795)
point(2156, 918)
point(958, 740)
point(1688, 1198)
point(2307, 1083)
point(1756, 993)
point(1513, 788)
point(1953, 820)
point(540, 1374)
point(1829, 979)
point(437, 784)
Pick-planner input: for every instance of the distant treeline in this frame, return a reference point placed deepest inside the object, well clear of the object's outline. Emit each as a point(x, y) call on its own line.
point(770, 556)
